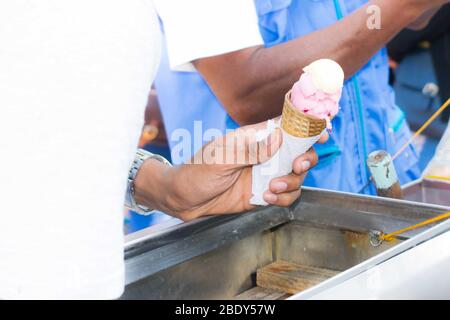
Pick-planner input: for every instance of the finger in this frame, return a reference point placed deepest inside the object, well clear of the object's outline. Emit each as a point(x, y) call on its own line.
point(229, 149)
point(287, 183)
point(305, 162)
point(324, 138)
point(260, 151)
point(283, 199)
point(258, 126)
point(241, 147)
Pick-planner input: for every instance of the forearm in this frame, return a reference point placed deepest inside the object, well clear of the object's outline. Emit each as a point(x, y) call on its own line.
point(251, 83)
point(424, 19)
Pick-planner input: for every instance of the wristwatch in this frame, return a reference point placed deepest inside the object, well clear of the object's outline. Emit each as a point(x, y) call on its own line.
point(140, 157)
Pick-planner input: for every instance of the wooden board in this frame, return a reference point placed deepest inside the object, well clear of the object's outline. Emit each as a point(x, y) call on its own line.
point(258, 293)
point(290, 277)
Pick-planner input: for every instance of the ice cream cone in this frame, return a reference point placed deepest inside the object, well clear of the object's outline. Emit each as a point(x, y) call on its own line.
point(299, 124)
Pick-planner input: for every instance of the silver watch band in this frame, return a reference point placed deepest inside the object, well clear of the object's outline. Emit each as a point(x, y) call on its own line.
point(140, 157)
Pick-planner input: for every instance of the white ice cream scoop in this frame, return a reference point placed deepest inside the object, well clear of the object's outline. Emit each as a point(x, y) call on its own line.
point(327, 75)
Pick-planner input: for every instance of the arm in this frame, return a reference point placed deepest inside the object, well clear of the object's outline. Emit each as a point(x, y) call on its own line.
point(423, 20)
point(251, 83)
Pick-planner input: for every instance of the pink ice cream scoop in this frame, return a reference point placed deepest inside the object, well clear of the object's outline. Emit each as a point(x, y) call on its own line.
point(319, 90)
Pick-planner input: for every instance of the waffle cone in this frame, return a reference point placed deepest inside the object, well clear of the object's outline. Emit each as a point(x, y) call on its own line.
point(299, 124)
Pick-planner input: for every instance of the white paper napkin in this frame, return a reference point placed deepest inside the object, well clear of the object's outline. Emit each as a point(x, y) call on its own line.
point(280, 164)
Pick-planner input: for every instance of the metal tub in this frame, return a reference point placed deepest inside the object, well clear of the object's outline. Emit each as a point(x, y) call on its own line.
point(217, 257)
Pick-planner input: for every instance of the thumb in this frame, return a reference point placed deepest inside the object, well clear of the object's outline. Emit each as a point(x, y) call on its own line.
point(261, 151)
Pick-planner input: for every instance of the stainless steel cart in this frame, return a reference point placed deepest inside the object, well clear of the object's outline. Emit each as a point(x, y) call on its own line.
point(218, 257)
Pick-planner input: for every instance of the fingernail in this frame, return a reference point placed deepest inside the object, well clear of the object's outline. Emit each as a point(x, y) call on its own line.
point(270, 198)
point(280, 186)
point(306, 165)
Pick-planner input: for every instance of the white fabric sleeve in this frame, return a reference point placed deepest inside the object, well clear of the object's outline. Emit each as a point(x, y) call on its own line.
point(203, 28)
point(74, 81)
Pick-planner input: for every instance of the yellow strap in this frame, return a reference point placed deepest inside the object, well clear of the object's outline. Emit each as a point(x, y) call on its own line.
point(422, 128)
point(437, 178)
point(393, 235)
point(416, 134)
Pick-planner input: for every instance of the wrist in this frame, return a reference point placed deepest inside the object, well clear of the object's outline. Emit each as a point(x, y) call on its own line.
point(152, 184)
point(421, 22)
point(415, 8)
point(401, 12)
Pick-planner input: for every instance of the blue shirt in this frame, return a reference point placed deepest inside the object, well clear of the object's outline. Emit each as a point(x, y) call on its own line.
point(369, 119)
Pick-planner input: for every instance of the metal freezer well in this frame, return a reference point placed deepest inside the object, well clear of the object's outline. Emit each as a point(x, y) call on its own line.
point(218, 257)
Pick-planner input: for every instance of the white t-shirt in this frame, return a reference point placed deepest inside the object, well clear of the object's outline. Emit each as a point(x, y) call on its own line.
point(203, 28)
point(74, 81)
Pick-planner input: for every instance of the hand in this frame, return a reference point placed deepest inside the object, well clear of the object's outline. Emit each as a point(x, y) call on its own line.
point(219, 180)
